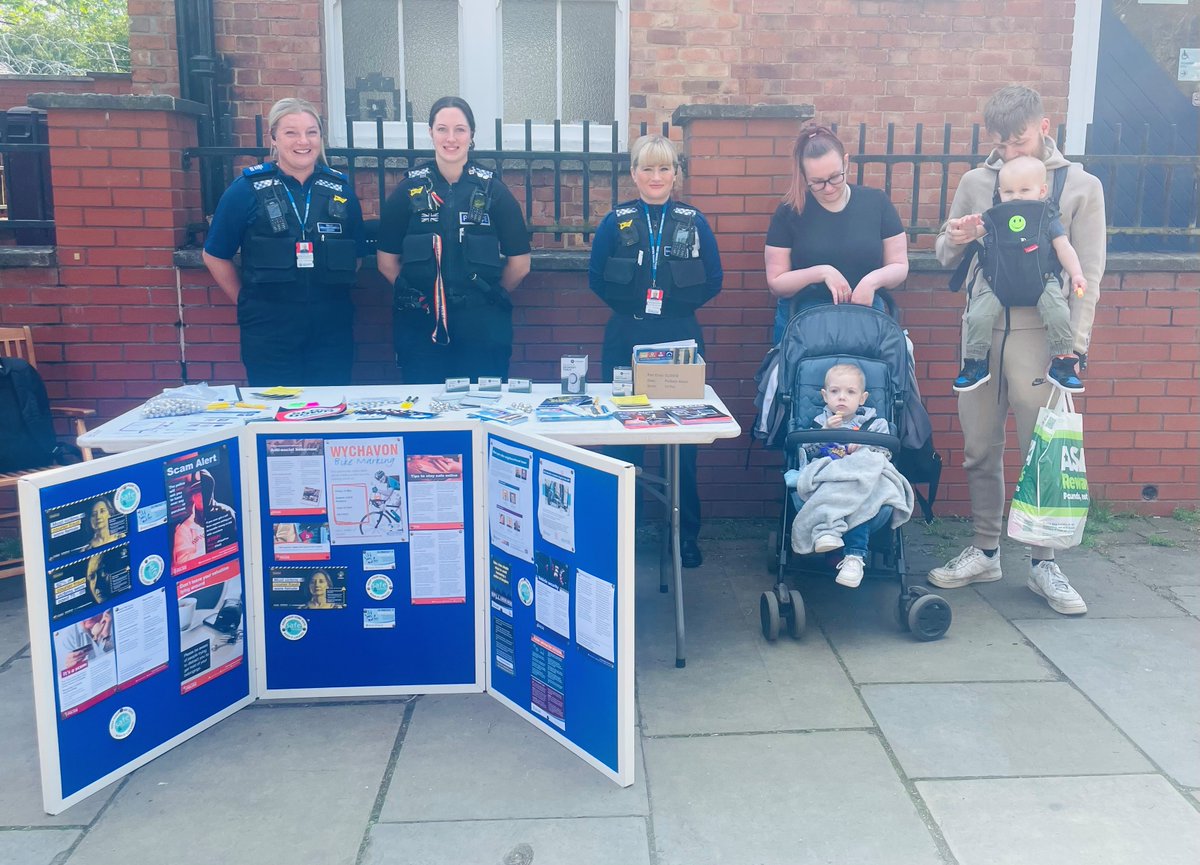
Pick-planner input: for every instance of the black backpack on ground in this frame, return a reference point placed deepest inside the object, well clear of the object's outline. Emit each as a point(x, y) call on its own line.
point(26, 427)
point(1016, 255)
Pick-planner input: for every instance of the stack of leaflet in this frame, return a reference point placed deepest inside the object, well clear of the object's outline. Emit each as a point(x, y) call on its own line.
point(680, 351)
point(571, 407)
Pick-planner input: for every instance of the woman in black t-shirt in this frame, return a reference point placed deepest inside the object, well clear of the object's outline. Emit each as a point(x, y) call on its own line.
point(830, 240)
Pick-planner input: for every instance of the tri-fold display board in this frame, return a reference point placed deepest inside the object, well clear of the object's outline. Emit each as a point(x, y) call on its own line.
point(171, 586)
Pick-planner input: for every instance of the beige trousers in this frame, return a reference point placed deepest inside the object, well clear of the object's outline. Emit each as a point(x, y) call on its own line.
point(982, 413)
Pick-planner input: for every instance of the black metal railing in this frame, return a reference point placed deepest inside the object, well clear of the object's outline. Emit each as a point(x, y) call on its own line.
point(26, 195)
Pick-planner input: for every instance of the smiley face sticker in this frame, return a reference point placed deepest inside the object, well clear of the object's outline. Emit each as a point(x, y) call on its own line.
point(1016, 223)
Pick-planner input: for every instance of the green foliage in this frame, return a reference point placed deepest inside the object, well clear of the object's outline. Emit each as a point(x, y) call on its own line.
point(64, 37)
point(1187, 515)
point(1160, 541)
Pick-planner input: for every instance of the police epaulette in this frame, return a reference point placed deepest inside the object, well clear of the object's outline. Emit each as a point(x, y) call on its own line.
point(624, 211)
point(481, 173)
point(263, 169)
point(681, 211)
point(321, 166)
point(417, 173)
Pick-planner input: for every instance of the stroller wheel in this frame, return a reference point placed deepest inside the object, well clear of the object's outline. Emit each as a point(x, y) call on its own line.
point(929, 617)
point(773, 553)
point(796, 618)
point(768, 612)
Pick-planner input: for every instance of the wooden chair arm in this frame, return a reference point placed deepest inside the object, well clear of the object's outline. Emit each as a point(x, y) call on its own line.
point(67, 411)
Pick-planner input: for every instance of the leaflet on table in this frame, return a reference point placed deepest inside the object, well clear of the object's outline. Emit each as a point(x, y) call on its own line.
point(679, 351)
point(301, 542)
point(695, 414)
point(594, 613)
point(644, 418)
point(203, 528)
point(296, 477)
point(438, 567)
point(364, 479)
point(556, 504)
point(510, 499)
point(552, 594)
point(548, 682)
point(571, 408)
point(178, 426)
point(435, 491)
point(211, 625)
point(500, 415)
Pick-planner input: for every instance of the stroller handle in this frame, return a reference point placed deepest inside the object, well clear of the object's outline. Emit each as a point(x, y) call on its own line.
point(856, 437)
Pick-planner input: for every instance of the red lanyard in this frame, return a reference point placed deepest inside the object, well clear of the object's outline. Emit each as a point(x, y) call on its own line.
point(441, 332)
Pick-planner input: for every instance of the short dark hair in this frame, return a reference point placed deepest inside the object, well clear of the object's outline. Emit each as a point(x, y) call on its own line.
point(453, 102)
point(1011, 110)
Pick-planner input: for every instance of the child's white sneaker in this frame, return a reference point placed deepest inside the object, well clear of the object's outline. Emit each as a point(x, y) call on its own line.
point(850, 572)
point(827, 543)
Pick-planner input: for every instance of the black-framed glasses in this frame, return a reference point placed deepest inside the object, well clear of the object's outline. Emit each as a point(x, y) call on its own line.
point(835, 180)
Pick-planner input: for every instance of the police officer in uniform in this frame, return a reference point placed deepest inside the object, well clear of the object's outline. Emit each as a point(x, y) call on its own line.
point(300, 230)
point(453, 242)
point(655, 262)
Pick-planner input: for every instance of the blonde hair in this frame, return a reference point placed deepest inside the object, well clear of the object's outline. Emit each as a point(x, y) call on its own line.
point(846, 369)
point(653, 150)
point(287, 107)
point(1024, 166)
point(812, 143)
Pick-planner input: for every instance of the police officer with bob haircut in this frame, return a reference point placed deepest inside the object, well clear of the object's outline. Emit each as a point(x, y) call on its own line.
point(655, 262)
point(453, 242)
point(300, 230)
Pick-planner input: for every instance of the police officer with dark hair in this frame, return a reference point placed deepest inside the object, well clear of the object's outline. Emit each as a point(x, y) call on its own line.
point(300, 230)
point(655, 262)
point(453, 242)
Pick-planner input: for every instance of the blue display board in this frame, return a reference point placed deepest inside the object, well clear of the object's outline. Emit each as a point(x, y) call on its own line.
point(560, 606)
point(137, 607)
point(367, 560)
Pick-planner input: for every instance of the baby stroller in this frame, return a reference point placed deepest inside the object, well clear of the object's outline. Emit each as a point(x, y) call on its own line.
point(815, 340)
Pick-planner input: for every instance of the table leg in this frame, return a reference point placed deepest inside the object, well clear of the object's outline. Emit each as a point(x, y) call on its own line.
point(665, 558)
point(672, 460)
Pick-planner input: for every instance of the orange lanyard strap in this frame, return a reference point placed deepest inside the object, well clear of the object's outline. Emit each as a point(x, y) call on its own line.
point(441, 332)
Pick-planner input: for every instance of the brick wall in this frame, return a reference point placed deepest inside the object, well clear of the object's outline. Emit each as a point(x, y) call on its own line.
point(15, 89)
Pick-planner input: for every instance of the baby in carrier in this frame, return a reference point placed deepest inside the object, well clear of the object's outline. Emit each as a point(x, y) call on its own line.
point(858, 500)
point(1019, 268)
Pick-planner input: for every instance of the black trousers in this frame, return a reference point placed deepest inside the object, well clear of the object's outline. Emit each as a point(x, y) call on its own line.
point(296, 342)
point(621, 334)
point(481, 338)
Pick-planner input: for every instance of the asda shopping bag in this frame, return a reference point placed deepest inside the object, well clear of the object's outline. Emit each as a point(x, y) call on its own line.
point(1050, 505)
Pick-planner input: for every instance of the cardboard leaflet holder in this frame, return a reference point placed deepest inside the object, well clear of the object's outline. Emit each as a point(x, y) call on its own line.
point(670, 380)
point(171, 586)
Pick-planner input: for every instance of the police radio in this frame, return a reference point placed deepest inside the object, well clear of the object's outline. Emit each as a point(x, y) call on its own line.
point(478, 207)
point(275, 214)
point(683, 240)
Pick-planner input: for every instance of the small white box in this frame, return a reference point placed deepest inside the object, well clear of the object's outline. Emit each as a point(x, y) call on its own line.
point(490, 382)
point(574, 369)
point(454, 385)
point(622, 383)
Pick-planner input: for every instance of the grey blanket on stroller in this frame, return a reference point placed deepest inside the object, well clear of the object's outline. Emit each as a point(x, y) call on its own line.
point(839, 494)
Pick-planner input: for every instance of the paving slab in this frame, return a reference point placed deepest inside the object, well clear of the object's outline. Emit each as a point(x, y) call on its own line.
point(998, 728)
point(1113, 820)
point(1159, 566)
point(14, 627)
point(467, 757)
point(21, 788)
point(292, 784)
point(583, 841)
point(1142, 675)
point(1110, 590)
point(35, 846)
point(980, 646)
point(782, 799)
point(735, 681)
point(1187, 597)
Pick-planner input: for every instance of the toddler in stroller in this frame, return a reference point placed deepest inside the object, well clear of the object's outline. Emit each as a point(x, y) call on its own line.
point(851, 362)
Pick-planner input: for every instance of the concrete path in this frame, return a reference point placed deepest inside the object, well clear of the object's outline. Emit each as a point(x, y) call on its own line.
point(1023, 737)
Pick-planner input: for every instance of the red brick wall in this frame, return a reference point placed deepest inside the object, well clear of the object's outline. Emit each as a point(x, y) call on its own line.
point(15, 89)
point(875, 62)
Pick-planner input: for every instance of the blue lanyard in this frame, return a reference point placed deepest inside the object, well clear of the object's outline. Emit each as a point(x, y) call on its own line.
point(655, 241)
point(296, 210)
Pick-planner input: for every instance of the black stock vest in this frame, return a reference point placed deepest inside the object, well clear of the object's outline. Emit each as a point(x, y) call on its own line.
point(681, 274)
point(462, 218)
point(269, 248)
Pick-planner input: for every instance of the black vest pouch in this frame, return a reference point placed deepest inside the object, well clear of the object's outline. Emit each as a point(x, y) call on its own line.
point(482, 254)
point(419, 267)
point(620, 281)
point(336, 261)
point(269, 260)
point(689, 282)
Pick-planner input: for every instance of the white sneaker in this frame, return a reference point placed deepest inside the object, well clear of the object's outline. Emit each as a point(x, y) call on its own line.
point(827, 543)
point(969, 566)
point(1048, 581)
point(850, 572)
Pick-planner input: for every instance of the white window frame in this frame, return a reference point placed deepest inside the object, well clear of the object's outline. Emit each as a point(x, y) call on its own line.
point(481, 83)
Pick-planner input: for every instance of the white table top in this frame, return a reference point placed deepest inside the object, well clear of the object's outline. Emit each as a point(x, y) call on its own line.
point(131, 430)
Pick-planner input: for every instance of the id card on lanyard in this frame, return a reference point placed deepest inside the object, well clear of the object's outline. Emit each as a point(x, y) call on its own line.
point(654, 295)
point(304, 248)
